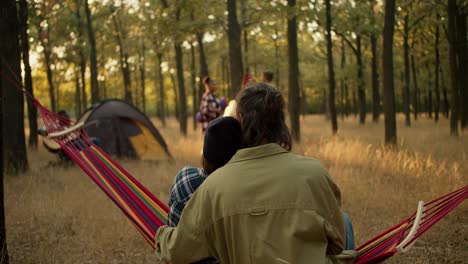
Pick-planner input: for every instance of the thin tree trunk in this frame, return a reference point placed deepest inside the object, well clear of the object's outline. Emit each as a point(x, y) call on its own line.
point(246, 50)
point(45, 42)
point(388, 81)
point(444, 95)
point(375, 81)
point(12, 102)
point(406, 86)
point(429, 94)
point(161, 101)
point(347, 107)
point(375, 71)
point(4, 9)
point(77, 93)
point(32, 111)
point(176, 97)
point(92, 56)
point(235, 50)
point(342, 81)
point(82, 58)
point(143, 77)
point(182, 102)
point(121, 38)
point(194, 85)
point(203, 65)
point(452, 32)
point(463, 65)
point(277, 58)
point(360, 76)
point(331, 71)
point(415, 90)
point(294, 103)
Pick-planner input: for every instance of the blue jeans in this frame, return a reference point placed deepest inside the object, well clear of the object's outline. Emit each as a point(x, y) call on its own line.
point(349, 239)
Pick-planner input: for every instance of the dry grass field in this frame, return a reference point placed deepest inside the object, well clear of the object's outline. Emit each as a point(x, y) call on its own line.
point(58, 215)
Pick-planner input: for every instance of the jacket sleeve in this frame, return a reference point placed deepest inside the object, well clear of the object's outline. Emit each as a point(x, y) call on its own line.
point(188, 242)
point(334, 222)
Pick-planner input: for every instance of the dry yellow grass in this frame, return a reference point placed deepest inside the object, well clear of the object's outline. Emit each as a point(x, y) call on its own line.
point(57, 215)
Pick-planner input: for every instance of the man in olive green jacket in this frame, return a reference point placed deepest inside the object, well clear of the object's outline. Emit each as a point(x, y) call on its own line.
point(266, 205)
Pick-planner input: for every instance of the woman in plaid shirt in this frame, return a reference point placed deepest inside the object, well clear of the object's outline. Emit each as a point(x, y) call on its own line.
point(210, 108)
point(222, 139)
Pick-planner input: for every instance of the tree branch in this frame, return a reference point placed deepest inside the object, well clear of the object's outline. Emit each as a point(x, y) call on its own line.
point(347, 41)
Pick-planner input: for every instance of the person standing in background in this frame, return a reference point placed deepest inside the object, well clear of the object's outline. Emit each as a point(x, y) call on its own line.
point(268, 77)
point(210, 108)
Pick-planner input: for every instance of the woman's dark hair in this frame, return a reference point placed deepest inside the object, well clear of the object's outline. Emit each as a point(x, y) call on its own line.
point(208, 167)
point(260, 107)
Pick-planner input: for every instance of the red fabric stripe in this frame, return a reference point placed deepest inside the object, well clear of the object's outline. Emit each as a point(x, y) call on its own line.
point(156, 200)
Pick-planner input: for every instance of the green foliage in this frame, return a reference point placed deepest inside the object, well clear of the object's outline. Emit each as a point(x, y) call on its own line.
point(149, 24)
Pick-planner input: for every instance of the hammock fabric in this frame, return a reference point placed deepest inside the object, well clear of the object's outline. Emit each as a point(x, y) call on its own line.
point(402, 236)
point(143, 209)
point(148, 213)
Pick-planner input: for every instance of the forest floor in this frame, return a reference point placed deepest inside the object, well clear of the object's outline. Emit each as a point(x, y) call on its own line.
point(58, 215)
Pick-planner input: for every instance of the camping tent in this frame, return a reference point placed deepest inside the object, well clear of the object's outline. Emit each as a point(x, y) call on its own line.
point(124, 131)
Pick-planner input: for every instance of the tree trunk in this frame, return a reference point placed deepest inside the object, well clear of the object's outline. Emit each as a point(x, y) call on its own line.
point(387, 61)
point(121, 38)
point(347, 106)
point(444, 95)
point(436, 72)
point(235, 50)
point(429, 94)
point(406, 86)
point(203, 65)
point(92, 56)
point(246, 50)
point(342, 81)
point(293, 98)
point(14, 145)
point(78, 110)
point(463, 64)
point(176, 97)
point(416, 89)
point(5, 8)
point(182, 102)
point(375, 81)
point(454, 70)
point(45, 42)
point(194, 85)
point(360, 76)
point(82, 58)
point(143, 77)
point(277, 60)
point(161, 101)
point(32, 111)
point(331, 71)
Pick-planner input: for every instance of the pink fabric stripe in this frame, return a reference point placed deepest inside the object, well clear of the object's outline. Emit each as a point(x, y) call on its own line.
point(143, 188)
point(130, 194)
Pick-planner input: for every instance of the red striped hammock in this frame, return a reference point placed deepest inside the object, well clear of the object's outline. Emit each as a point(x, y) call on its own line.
point(148, 213)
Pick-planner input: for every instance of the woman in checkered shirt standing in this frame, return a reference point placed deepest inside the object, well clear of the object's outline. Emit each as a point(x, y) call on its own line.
point(210, 108)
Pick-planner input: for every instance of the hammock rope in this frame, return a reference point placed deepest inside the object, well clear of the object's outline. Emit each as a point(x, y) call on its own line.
point(399, 238)
point(147, 213)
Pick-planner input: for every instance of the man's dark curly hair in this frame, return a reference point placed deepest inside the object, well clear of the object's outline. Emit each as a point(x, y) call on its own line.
point(260, 107)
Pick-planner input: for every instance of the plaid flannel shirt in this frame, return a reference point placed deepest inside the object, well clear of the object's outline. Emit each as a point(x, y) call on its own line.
point(186, 183)
point(208, 104)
